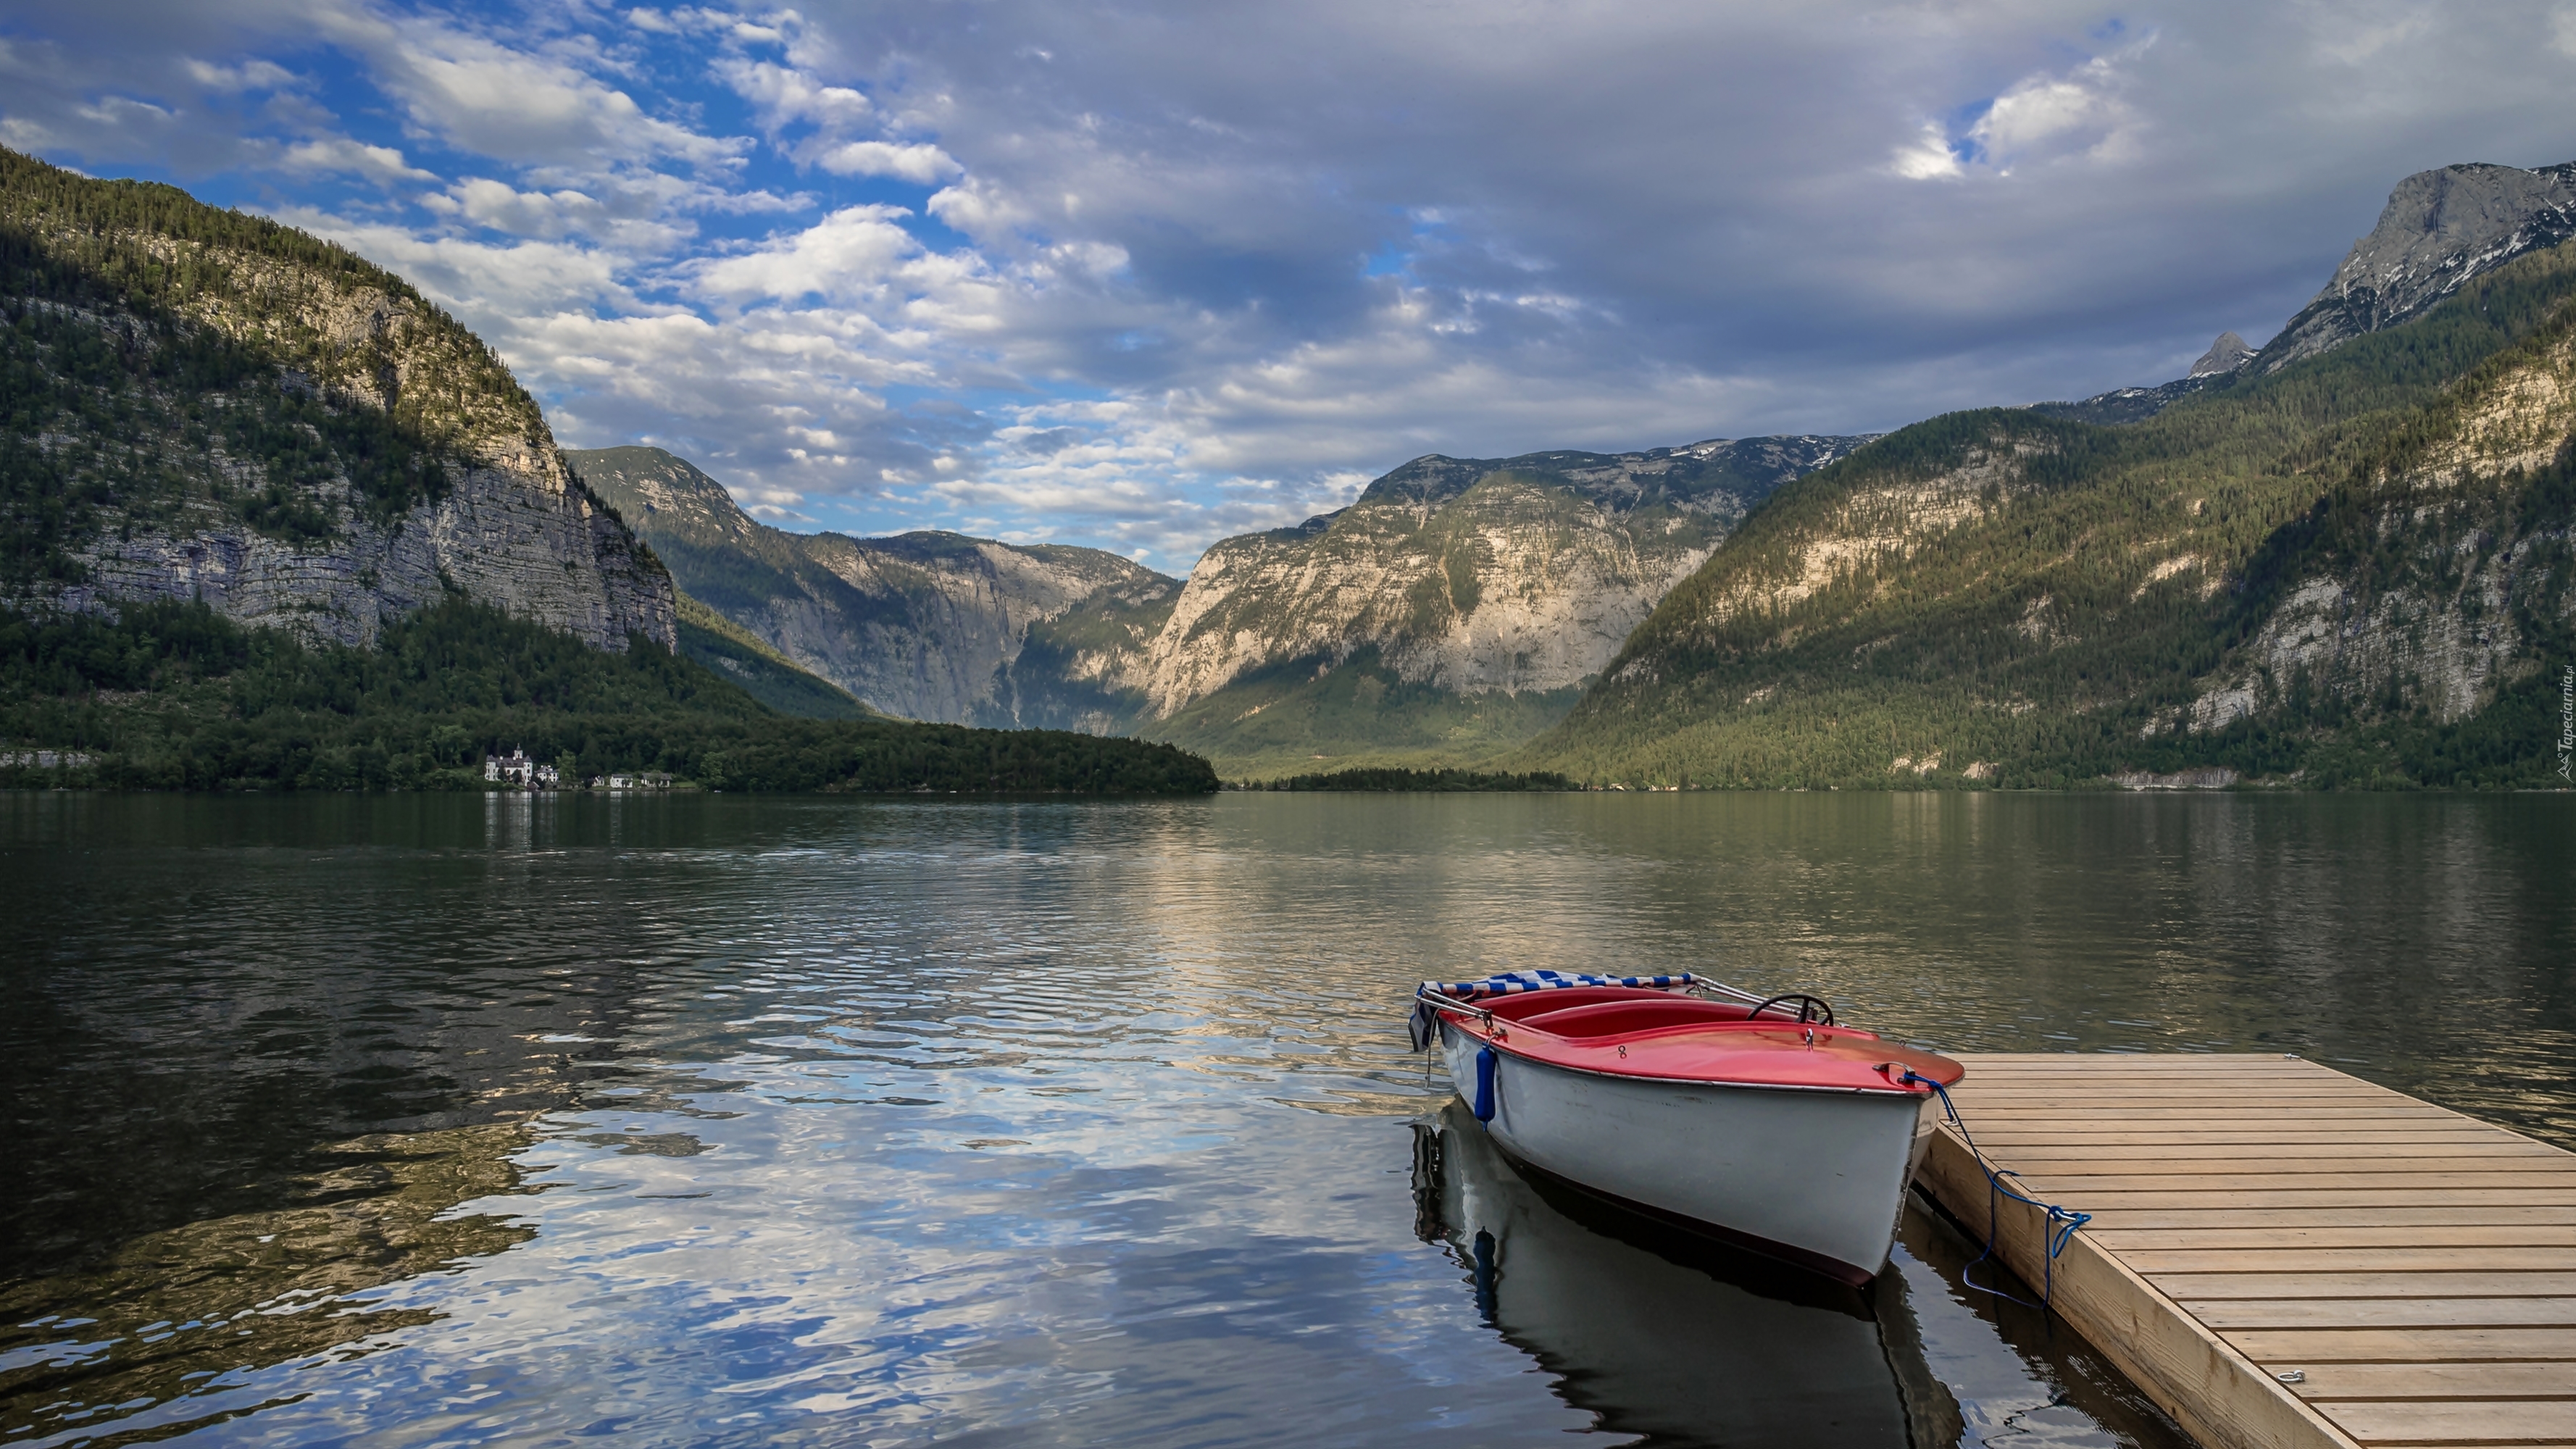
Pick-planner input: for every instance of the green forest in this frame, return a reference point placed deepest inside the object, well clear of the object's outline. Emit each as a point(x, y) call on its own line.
point(1434, 781)
point(175, 697)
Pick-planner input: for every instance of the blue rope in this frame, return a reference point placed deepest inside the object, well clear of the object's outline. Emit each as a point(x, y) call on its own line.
point(2062, 1222)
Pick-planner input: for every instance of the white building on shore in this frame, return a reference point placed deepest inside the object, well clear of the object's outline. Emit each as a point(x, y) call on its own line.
point(515, 768)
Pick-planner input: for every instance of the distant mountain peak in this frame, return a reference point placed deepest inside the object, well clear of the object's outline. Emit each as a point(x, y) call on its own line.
point(2439, 229)
point(2225, 355)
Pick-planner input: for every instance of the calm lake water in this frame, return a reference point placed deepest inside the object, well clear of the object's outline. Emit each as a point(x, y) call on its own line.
point(709, 1120)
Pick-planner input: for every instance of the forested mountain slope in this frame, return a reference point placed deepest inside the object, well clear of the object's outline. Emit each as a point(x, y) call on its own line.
point(195, 403)
point(924, 625)
point(2347, 570)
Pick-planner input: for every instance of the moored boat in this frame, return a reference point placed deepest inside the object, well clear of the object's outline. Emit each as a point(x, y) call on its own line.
point(1762, 1123)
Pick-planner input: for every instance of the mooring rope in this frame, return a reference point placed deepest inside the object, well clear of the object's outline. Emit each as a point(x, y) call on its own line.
point(2062, 1221)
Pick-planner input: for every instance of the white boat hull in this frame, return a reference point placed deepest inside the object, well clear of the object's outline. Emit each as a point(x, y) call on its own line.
point(1817, 1177)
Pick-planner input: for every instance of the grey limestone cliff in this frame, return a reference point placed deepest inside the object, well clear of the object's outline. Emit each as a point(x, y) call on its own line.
point(2439, 229)
point(927, 625)
point(204, 405)
point(1456, 586)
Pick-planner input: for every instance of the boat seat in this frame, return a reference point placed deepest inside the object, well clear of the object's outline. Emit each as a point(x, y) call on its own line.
point(1523, 1005)
point(1612, 1018)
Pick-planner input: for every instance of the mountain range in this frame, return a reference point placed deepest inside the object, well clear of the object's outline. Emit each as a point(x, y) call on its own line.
point(270, 519)
point(2345, 560)
point(2061, 592)
point(2340, 558)
point(1456, 607)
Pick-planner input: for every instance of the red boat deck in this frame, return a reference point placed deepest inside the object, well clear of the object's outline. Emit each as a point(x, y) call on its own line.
point(2256, 1216)
point(1625, 1032)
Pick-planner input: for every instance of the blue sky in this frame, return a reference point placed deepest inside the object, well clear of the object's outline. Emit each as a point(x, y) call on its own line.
point(1140, 275)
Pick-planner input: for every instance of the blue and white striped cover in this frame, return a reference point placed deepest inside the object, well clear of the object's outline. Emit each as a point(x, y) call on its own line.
point(1512, 983)
point(1424, 1023)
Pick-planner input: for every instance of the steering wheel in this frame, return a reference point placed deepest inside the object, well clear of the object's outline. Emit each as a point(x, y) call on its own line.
point(1810, 1008)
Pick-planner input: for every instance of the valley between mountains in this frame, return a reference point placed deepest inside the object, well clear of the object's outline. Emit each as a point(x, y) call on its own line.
point(2340, 559)
point(1454, 610)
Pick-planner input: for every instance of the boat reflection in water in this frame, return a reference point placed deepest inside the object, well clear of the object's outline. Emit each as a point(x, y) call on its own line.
point(1666, 1336)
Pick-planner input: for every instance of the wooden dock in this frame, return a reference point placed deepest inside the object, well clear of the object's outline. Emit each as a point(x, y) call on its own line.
point(2284, 1255)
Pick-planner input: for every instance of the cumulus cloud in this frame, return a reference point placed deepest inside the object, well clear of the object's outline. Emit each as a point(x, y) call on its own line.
point(250, 75)
point(783, 96)
point(1928, 157)
point(853, 254)
point(920, 163)
point(1140, 272)
point(484, 95)
point(382, 164)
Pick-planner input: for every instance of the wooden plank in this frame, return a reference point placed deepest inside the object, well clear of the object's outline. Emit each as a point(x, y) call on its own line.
point(2185, 1138)
point(2191, 1287)
point(2238, 1163)
point(2435, 1381)
point(2225, 1314)
point(2100, 1200)
point(2127, 1061)
point(2395, 1184)
point(2439, 1422)
point(2027, 1156)
point(2108, 1097)
point(2223, 1094)
point(2250, 1098)
point(2301, 1348)
point(1999, 1125)
point(2240, 1118)
point(2132, 1244)
point(2451, 1214)
point(2156, 1263)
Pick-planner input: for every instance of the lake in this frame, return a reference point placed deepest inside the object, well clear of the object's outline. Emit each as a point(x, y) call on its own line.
point(709, 1119)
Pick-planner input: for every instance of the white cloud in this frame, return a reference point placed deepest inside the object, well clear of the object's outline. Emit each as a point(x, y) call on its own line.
point(1928, 157)
point(854, 253)
point(1215, 273)
point(381, 164)
point(2042, 116)
point(923, 164)
point(783, 96)
point(250, 75)
point(982, 210)
point(482, 95)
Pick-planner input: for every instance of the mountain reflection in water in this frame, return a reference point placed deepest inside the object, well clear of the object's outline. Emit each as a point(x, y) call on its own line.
point(700, 1120)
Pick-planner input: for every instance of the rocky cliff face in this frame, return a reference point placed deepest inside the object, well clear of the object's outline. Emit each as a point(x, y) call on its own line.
point(2439, 229)
point(925, 625)
point(2441, 575)
point(204, 405)
point(1471, 575)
